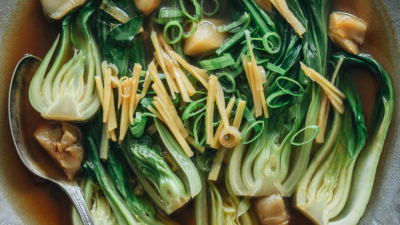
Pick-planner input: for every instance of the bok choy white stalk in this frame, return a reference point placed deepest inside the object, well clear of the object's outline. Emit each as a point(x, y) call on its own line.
point(67, 91)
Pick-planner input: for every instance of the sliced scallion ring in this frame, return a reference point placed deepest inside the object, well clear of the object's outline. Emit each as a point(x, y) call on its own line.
point(288, 91)
point(167, 13)
point(230, 42)
point(275, 68)
point(256, 135)
point(234, 27)
point(197, 8)
point(217, 63)
point(210, 13)
point(115, 12)
point(180, 34)
point(167, 20)
point(276, 95)
point(196, 130)
point(250, 118)
point(315, 127)
point(227, 82)
point(269, 45)
point(191, 32)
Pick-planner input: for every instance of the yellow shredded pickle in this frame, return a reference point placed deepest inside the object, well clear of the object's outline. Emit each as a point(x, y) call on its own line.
point(135, 83)
point(283, 8)
point(212, 91)
point(169, 121)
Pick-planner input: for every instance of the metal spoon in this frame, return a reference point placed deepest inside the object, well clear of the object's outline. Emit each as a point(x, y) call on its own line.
point(47, 171)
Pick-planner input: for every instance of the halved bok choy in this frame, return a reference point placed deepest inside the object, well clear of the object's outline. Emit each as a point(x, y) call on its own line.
point(100, 210)
point(127, 208)
point(66, 91)
point(265, 164)
point(323, 190)
point(169, 190)
point(216, 204)
point(367, 163)
point(275, 162)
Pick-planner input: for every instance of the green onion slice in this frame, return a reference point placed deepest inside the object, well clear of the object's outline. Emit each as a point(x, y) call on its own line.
point(115, 12)
point(276, 95)
point(256, 135)
point(191, 32)
point(180, 34)
point(212, 13)
point(234, 27)
point(230, 42)
point(167, 13)
point(268, 41)
point(197, 16)
point(189, 110)
point(288, 91)
point(315, 127)
point(196, 130)
point(227, 82)
point(217, 63)
point(167, 20)
point(250, 118)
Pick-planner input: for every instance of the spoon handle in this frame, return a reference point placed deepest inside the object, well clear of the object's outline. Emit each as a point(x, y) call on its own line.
point(75, 194)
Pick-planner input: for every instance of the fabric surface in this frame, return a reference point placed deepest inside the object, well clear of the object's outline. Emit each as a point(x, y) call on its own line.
point(384, 205)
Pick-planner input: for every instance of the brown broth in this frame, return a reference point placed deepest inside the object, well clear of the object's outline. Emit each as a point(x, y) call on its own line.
point(35, 202)
point(44, 203)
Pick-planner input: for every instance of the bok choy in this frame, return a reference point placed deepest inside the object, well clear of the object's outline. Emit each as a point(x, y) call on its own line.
point(216, 204)
point(124, 211)
point(167, 189)
point(315, 53)
point(67, 92)
point(365, 168)
point(324, 189)
point(267, 164)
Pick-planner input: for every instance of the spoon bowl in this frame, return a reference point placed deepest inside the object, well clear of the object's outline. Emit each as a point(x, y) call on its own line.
point(22, 117)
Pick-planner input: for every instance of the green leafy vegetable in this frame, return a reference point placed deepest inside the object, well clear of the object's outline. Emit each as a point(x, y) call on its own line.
point(124, 44)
